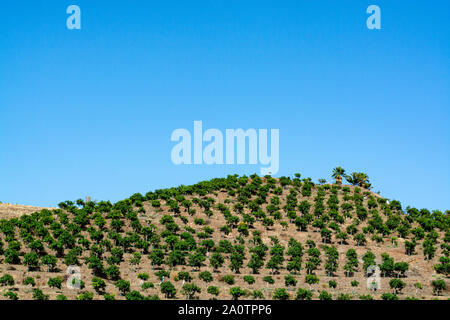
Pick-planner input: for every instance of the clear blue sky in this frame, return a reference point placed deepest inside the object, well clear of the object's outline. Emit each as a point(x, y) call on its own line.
point(90, 112)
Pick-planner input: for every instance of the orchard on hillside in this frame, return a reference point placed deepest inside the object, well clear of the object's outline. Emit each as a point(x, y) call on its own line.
point(239, 237)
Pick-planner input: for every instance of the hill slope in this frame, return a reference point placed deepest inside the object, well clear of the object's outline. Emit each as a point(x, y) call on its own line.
point(286, 231)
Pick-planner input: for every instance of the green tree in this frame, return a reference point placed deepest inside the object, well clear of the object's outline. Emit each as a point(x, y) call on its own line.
point(50, 261)
point(236, 292)
point(98, 284)
point(352, 262)
point(55, 282)
point(196, 260)
point(280, 294)
point(303, 294)
point(190, 289)
point(438, 286)
point(337, 174)
point(311, 279)
point(168, 289)
point(123, 286)
point(214, 291)
point(31, 260)
point(397, 285)
point(216, 261)
point(325, 296)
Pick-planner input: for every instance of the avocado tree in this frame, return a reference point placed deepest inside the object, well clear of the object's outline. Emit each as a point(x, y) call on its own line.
point(214, 291)
point(168, 289)
point(280, 294)
point(303, 294)
point(438, 286)
point(189, 289)
point(311, 279)
point(236, 292)
point(397, 285)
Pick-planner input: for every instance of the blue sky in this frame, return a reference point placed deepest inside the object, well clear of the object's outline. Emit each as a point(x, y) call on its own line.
point(91, 111)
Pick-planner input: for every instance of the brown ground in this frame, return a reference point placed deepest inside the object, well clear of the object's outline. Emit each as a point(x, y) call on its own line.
point(8, 210)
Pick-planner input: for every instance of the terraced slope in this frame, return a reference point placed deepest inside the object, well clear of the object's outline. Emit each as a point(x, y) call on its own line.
point(236, 237)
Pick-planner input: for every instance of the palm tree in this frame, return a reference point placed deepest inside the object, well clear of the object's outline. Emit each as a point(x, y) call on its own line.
point(338, 173)
point(359, 179)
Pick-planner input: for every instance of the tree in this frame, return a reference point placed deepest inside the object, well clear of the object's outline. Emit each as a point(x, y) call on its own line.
point(280, 294)
point(31, 260)
point(7, 280)
point(343, 296)
point(86, 296)
point(331, 264)
point(369, 260)
point(389, 296)
point(50, 261)
point(276, 259)
point(352, 262)
point(184, 275)
point(257, 294)
point(397, 285)
point(228, 279)
point(268, 280)
point(438, 286)
point(400, 268)
point(196, 260)
point(205, 276)
point(134, 295)
point(213, 291)
point(112, 272)
point(301, 223)
point(55, 282)
point(325, 296)
point(236, 261)
point(444, 266)
point(11, 295)
point(387, 265)
point(236, 292)
point(98, 284)
point(358, 179)
point(255, 263)
point(303, 294)
point(29, 281)
point(39, 295)
point(123, 286)
point(189, 290)
point(295, 265)
point(168, 289)
point(360, 239)
point(311, 279)
point(249, 279)
point(95, 263)
point(290, 281)
point(428, 249)
point(313, 260)
point(216, 261)
point(337, 174)
point(410, 247)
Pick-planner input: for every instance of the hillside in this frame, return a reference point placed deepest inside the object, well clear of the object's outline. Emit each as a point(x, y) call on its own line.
point(8, 210)
point(242, 237)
